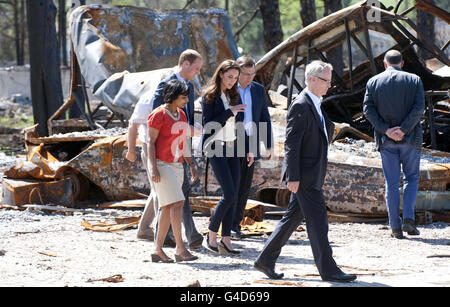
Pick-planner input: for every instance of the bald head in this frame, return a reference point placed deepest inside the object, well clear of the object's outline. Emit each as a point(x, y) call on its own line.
point(393, 57)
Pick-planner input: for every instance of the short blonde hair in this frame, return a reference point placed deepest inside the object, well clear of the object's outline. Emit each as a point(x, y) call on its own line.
point(316, 68)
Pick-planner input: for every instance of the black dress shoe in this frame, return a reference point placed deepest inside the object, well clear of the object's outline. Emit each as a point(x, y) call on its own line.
point(410, 228)
point(196, 244)
point(269, 272)
point(339, 277)
point(397, 233)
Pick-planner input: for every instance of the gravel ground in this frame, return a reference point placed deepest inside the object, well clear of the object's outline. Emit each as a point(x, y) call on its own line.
point(38, 248)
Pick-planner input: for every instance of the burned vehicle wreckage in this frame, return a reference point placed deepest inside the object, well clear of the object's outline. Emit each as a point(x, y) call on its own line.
point(120, 54)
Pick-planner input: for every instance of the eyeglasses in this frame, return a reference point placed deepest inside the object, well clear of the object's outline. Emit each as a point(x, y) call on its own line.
point(327, 81)
point(248, 75)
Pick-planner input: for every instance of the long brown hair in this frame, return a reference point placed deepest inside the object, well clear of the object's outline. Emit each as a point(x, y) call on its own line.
point(213, 88)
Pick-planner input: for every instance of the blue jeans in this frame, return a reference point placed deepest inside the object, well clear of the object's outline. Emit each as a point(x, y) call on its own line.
point(394, 155)
point(227, 172)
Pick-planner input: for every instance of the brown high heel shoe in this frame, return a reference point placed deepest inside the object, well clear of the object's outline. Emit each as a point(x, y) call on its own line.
point(179, 258)
point(158, 258)
point(224, 250)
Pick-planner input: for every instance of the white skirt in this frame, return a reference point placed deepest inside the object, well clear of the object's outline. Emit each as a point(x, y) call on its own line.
point(169, 188)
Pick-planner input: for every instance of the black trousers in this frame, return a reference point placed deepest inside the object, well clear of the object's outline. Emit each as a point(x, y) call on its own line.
point(311, 204)
point(245, 183)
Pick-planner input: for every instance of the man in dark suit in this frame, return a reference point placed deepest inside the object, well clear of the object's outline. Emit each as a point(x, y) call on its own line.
point(257, 128)
point(189, 65)
point(394, 103)
point(308, 133)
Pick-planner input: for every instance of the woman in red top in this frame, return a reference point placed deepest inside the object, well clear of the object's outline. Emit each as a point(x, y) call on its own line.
point(167, 130)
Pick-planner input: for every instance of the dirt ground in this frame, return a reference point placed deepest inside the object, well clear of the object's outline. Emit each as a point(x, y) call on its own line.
point(39, 248)
point(42, 248)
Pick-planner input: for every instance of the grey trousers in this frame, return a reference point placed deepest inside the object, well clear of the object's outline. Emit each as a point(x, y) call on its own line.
point(151, 205)
point(190, 230)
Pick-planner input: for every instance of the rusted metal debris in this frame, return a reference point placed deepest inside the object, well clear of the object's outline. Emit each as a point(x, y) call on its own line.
point(19, 192)
point(119, 51)
point(207, 205)
point(90, 161)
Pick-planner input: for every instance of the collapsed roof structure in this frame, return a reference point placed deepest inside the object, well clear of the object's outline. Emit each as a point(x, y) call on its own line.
point(351, 25)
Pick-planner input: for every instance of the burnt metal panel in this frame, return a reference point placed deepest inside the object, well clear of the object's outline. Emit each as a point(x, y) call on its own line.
point(113, 41)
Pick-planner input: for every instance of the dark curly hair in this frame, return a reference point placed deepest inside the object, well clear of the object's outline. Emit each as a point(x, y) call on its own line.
point(173, 89)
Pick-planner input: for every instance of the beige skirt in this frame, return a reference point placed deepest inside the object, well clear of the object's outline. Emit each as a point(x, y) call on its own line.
point(169, 188)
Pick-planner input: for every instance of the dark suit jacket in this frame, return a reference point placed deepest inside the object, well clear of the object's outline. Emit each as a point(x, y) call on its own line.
point(260, 113)
point(215, 112)
point(395, 98)
point(158, 98)
point(306, 144)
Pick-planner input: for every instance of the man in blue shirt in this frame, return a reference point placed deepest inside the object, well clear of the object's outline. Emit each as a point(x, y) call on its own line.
point(257, 128)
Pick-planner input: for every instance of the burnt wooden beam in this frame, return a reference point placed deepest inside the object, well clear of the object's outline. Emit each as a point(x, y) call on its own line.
point(435, 50)
point(368, 45)
point(446, 45)
point(296, 84)
point(292, 76)
point(431, 121)
point(349, 47)
point(308, 56)
point(412, 37)
point(360, 45)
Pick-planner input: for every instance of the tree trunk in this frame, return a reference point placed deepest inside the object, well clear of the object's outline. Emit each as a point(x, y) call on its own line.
point(62, 31)
point(273, 34)
point(335, 55)
point(21, 55)
point(307, 12)
point(17, 32)
point(425, 22)
point(46, 91)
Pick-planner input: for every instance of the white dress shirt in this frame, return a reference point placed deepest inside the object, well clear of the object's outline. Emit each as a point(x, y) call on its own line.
point(317, 101)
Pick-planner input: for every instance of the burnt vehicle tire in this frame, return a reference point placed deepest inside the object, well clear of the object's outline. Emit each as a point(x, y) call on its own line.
point(80, 184)
point(283, 197)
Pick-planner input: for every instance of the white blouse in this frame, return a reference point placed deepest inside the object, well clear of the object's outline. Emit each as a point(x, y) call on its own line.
point(228, 132)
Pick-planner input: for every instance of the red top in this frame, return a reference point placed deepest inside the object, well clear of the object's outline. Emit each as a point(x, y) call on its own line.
point(171, 133)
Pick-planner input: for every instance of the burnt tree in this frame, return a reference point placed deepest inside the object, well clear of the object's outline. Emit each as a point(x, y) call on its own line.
point(334, 55)
point(425, 23)
point(270, 12)
point(18, 9)
point(46, 90)
point(307, 12)
point(62, 31)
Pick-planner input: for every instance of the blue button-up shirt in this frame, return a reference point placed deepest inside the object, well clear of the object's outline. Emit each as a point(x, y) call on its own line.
point(246, 98)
